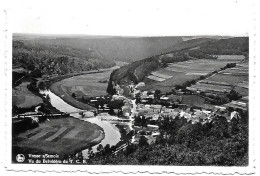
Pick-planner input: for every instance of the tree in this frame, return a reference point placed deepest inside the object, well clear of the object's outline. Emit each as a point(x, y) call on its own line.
point(129, 149)
point(144, 122)
point(189, 134)
point(138, 97)
point(143, 141)
point(177, 87)
point(116, 104)
point(219, 127)
point(130, 135)
point(233, 95)
point(157, 94)
point(100, 148)
point(73, 95)
point(138, 121)
point(173, 91)
point(48, 97)
point(36, 73)
point(107, 149)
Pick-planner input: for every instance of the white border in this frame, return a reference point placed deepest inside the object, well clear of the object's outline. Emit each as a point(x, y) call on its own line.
point(127, 169)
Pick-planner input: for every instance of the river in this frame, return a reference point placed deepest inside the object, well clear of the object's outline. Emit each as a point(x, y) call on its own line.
point(112, 134)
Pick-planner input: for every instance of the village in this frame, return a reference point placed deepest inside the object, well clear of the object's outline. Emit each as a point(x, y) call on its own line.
point(146, 108)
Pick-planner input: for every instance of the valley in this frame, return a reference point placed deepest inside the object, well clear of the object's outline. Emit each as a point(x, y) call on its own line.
point(132, 101)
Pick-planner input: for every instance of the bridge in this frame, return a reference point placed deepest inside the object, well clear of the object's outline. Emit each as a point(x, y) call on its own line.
point(82, 111)
point(42, 115)
point(116, 120)
point(122, 147)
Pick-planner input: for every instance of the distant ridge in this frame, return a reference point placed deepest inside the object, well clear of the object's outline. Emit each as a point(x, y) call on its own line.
point(119, 48)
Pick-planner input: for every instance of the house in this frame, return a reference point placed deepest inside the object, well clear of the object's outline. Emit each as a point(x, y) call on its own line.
point(144, 95)
point(206, 112)
point(151, 96)
point(199, 116)
point(116, 111)
point(234, 114)
point(156, 134)
point(126, 110)
point(187, 115)
point(88, 114)
point(147, 106)
point(168, 110)
point(156, 110)
point(145, 111)
point(118, 97)
point(144, 101)
point(156, 106)
point(151, 139)
point(164, 98)
point(155, 117)
point(153, 127)
point(140, 84)
point(173, 114)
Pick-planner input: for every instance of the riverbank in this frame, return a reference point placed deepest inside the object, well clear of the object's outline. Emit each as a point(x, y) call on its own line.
point(57, 89)
point(112, 135)
point(85, 83)
point(62, 136)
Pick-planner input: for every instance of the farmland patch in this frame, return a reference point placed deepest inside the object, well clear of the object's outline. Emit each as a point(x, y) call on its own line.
point(155, 78)
point(57, 136)
point(232, 78)
point(90, 85)
point(161, 75)
point(230, 57)
point(180, 72)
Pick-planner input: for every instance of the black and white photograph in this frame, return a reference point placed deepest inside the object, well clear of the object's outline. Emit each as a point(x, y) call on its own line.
point(102, 87)
point(77, 100)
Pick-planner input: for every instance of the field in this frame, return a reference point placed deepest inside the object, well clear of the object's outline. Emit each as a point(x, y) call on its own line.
point(195, 100)
point(197, 67)
point(156, 78)
point(23, 98)
point(90, 85)
point(180, 72)
point(208, 87)
point(230, 57)
point(59, 136)
point(58, 89)
point(226, 80)
point(87, 85)
point(168, 84)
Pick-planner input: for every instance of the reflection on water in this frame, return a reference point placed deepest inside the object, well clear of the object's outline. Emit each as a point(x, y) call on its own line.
point(112, 135)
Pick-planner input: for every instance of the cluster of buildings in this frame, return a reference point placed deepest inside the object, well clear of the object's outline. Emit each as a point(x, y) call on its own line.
point(199, 115)
point(152, 112)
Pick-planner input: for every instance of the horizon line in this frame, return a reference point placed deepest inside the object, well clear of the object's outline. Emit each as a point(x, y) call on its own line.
point(133, 36)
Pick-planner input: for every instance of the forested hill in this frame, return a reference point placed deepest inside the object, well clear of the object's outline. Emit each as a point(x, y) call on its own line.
point(127, 49)
point(55, 59)
point(196, 48)
point(231, 46)
point(137, 71)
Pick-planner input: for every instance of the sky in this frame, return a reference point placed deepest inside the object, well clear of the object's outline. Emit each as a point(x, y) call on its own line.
point(131, 18)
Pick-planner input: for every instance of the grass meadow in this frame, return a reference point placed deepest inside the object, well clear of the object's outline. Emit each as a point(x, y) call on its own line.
point(23, 98)
point(59, 136)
